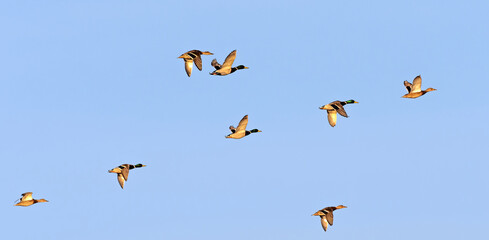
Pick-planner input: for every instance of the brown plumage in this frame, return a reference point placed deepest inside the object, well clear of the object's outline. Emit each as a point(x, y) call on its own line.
point(336, 107)
point(414, 90)
point(27, 200)
point(326, 215)
point(226, 68)
point(191, 57)
point(241, 131)
point(123, 172)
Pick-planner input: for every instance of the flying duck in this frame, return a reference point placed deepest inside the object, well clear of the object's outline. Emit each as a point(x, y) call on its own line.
point(326, 215)
point(27, 200)
point(241, 131)
point(336, 107)
point(123, 172)
point(226, 68)
point(191, 57)
point(414, 90)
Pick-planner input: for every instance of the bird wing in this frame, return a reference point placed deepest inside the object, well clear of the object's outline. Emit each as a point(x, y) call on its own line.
point(215, 64)
point(229, 60)
point(125, 172)
point(232, 128)
point(189, 66)
point(339, 108)
point(198, 62)
point(332, 117)
point(408, 85)
point(242, 124)
point(324, 223)
point(121, 180)
point(329, 217)
point(26, 196)
point(416, 84)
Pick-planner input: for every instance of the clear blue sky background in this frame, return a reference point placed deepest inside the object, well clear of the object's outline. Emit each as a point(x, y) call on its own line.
point(88, 85)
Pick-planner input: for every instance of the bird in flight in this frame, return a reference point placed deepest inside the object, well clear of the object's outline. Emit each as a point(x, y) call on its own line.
point(336, 107)
point(123, 172)
point(192, 57)
point(326, 215)
point(241, 131)
point(414, 90)
point(226, 68)
point(27, 200)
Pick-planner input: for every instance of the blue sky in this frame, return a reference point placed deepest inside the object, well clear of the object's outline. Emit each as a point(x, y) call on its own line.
point(86, 86)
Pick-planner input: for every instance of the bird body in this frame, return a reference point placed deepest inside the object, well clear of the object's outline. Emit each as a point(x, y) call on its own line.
point(414, 89)
point(241, 131)
point(193, 57)
point(27, 200)
point(123, 172)
point(336, 107)
point(226, 68)
point(326, 215)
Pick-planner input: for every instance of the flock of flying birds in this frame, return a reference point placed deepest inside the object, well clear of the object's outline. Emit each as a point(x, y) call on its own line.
point(194, 57)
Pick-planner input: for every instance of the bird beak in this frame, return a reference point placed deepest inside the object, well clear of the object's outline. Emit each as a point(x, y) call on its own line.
point(355, 102)
point(246, 67)
point(259, 130)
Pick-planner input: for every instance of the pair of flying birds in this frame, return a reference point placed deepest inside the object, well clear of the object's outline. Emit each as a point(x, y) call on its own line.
point(194, 57)
point(326, 213)
point(122, 175)
point(414, 91)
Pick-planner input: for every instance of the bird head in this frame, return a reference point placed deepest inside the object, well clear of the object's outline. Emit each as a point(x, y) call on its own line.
point(242, 67)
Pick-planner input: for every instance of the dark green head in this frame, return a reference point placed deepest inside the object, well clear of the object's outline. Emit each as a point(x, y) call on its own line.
point(241, 67)
point(234, 69)
point(254, 130)
point(139, 165)
point(351, 101)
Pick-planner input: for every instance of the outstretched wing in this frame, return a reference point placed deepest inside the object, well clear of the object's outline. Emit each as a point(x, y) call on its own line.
point(188, 66)
point(125, 172)
point(26, 196)
point(198, 62)
point(229, 60)
point(242, 124)
point(416, 84)
point(408, 86)
point(121, 180)
point(339, 108)
point(329, 217)
point(324, 223)
point(215, 64)
point(332, 117)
